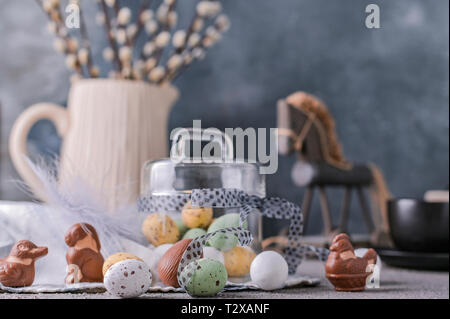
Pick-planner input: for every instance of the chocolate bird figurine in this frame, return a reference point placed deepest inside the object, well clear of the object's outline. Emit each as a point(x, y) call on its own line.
point(17, 270)
point(83, 257)
point(346, 271)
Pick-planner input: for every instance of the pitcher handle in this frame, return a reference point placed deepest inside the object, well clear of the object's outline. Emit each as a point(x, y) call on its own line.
point(58, 115)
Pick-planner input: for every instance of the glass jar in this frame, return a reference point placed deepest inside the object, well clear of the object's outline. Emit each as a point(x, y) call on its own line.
point(167, 177)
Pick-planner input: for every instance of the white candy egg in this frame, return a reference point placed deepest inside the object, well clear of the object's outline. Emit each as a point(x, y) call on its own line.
point(269, 270)
point(213, 253)
point(360, 252)
point(128, 278)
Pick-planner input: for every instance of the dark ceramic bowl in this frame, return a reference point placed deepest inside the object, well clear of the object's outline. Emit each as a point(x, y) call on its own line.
point(419, 226)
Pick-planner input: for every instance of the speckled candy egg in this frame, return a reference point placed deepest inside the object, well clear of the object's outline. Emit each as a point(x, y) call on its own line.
point(113, 259)
point(194, 233)
point(196, 217)
point(128, 278)
point(208, 277)
point(238, 261)
point(224, 242)
point(269, 270)
point(160, 229)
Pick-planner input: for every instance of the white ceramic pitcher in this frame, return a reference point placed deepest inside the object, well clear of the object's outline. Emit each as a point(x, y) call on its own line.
point(109, 130)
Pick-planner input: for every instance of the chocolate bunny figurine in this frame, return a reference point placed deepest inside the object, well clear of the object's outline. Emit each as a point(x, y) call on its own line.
point(83, 257)
point(17, 270)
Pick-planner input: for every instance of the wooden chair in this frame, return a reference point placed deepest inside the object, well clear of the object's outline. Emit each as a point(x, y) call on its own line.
point(305, 127)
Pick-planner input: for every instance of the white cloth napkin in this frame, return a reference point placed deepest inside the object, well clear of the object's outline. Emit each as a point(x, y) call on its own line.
point(30, 221)
point(24, 220)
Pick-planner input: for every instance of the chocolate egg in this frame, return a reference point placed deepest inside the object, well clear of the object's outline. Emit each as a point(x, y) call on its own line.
point(157, 254)
point(128, 278)
point(113, 259)
point(196, 217)
point(208, 277)
point(160, 229)
point(168, 265)
point(238, 261)
point(194, 233)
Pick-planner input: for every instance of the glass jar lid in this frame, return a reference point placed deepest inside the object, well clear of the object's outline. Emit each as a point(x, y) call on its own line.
point(167, 176)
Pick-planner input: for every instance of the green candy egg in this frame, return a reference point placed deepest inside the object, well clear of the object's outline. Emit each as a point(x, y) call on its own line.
point(182, 228)
point(208, 277)
point(224, 242)
point(194, 233)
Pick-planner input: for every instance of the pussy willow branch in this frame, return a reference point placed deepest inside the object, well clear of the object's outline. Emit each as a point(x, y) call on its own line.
point(125, 64)
point(85, 40)
point(66, 38)
point(79, 57)
point(116, 8)
point(166, 27)
point(61, 25)
point(140, 24)
point(185, 49)
point(189, 32)
point(111, 40)
point(177, 73)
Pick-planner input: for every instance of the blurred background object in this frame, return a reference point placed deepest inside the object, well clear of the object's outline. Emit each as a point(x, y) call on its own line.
point(307, 129)
point(437, 196)
point(419, 226)
point(387, 88)
point(420, 233)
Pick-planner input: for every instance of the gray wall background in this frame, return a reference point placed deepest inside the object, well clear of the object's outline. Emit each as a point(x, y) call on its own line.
point(387, 88)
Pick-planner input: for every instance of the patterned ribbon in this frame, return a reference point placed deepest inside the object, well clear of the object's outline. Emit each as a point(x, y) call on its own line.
point(195, 249)
point(273, 207)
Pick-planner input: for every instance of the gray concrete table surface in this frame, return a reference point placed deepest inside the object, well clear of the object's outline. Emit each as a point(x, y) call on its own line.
point(395, 283)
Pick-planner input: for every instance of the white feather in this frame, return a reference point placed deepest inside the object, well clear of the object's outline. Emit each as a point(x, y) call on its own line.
point(74, 201)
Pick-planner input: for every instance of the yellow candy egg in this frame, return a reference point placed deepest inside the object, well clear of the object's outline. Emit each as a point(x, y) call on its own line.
point(238, 261)
point(160, 229)
point(196, 217)
point(113, 259)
